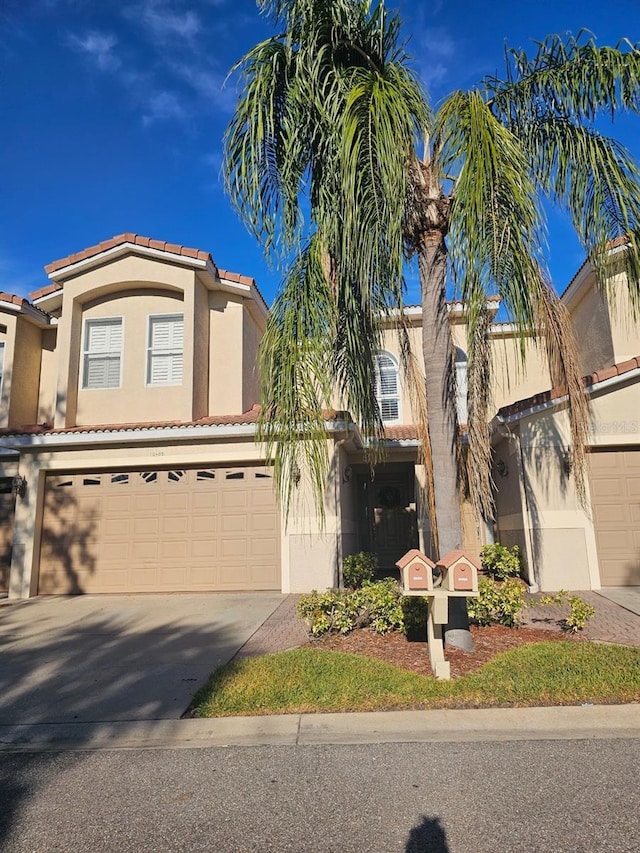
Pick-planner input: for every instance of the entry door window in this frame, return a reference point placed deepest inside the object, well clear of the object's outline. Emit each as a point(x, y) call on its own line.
point(102, 353)
point(165, 352)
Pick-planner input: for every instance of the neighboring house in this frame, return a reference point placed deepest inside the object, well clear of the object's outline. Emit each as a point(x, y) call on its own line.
point(129, 405)
point(568, 545)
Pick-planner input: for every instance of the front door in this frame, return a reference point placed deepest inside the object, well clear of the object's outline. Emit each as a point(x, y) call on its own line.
point(389, 528)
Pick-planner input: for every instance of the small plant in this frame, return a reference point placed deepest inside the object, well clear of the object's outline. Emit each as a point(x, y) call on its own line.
point(497, 603)
point(374, 605)
point(414, 616)
point(500, 562)
point(580, 610)
point(357, 569)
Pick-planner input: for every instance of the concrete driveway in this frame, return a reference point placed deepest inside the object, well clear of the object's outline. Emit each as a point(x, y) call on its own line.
point(118, 657)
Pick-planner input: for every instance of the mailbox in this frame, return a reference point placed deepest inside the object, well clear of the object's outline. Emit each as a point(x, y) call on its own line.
point(460, 572)
point(416, 571)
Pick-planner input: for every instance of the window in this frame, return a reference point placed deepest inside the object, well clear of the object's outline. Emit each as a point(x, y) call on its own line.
point(164, 356)
point(461, 386)
point(102, 353)
point(1, 364)
point(387, 388)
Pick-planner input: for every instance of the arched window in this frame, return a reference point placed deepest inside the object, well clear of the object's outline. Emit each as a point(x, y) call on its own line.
point(461, 385)
point(387, 387)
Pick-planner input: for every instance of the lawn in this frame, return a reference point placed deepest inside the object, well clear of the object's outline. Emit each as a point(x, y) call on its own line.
point(308, 680)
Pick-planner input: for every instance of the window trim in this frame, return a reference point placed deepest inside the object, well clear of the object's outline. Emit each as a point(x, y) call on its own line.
point(396, 396)
point(2, 349)
point(148, 352)
point(85, 353)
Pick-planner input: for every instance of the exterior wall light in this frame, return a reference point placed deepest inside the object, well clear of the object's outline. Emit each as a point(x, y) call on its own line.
point(18, 486)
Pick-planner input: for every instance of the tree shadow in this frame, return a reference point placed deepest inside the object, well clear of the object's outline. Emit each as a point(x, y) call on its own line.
point(89, 659)
point(427, 837)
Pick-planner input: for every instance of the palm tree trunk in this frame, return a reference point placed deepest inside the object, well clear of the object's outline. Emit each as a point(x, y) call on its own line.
point(437, 354)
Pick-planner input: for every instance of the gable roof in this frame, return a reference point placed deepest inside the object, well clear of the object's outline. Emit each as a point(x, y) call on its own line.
point(56, 269)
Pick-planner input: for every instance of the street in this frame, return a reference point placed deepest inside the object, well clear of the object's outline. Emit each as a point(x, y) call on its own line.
point(553, 795)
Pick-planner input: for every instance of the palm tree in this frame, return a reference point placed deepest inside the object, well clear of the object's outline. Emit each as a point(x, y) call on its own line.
point(321, 163)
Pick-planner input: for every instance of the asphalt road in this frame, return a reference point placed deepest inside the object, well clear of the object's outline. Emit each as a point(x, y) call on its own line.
point(512, 796)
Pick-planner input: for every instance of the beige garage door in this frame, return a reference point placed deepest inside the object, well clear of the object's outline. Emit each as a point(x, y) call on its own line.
point(615, 500)
point(157, 530)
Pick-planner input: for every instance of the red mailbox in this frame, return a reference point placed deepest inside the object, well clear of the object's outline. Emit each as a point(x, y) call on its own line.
point(416, 571)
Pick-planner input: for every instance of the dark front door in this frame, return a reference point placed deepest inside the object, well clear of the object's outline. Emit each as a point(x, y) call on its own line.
point(389, 526)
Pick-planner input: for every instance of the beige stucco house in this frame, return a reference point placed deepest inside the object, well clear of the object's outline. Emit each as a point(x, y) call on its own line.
point(128, 460)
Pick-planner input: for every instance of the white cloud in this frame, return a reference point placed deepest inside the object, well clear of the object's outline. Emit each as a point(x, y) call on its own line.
point(207, 84)
point(161, 106)
point(99, 47)
point(435, 52)
point(162, 23)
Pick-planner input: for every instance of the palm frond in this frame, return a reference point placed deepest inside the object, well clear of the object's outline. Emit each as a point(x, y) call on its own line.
point(597, 181)
point(569, 75)
point(295, 366)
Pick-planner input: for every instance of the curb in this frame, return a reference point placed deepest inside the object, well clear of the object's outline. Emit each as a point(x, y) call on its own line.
point(583, 722)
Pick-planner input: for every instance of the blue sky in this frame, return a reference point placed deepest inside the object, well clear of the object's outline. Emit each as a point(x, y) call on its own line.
point(113, 115)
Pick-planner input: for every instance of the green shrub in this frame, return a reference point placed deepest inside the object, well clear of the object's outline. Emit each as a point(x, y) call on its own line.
point(497, 603)
point(374, 605)
point(414, 615)
point(357, 569)
point(500, 562)
point(580, 611)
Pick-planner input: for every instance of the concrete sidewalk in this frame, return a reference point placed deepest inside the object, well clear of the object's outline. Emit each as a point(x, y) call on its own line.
point(449, 726)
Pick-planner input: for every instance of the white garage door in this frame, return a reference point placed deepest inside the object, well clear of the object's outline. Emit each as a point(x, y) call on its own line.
point(158, 530)
point(614, 481)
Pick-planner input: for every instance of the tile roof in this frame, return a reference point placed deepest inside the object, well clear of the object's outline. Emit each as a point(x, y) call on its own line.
point(246, 418)
point(403, 432)
point(127, 237)
point(556, 393)
point(137, 240)
point(21, 302)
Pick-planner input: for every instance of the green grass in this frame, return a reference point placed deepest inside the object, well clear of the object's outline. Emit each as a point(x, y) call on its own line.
point(309, 680)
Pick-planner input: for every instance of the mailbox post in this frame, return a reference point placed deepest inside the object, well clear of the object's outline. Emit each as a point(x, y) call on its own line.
point(459, 580)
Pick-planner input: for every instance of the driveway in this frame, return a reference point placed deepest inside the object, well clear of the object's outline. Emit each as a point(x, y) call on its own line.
point(126, 657)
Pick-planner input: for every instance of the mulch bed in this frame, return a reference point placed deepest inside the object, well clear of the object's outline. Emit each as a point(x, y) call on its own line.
point(394, 648)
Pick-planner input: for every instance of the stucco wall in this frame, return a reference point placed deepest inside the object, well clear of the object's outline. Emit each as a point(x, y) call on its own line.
point(251, 335)
point(591, 325)
point(7, 337)
point(225, 354)
point(48, 374)
point(135, 400)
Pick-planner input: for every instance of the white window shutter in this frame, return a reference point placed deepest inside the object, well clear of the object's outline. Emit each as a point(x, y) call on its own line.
point(165, 355)
point(102, 353)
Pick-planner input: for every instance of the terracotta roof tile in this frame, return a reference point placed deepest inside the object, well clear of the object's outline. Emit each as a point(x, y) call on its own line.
point(45, 291)
point(21, 302)
point(246, 418)
point(404, 432)
point(557, 393)
point(119, 239)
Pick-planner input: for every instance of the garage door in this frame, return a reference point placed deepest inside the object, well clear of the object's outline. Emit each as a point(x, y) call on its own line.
point(158, 530)
point(615, 501)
